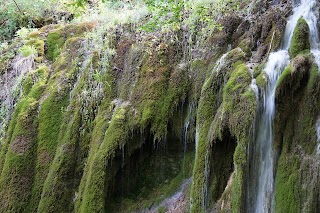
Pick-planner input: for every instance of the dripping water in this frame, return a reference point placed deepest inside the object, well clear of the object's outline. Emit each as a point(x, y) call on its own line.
point(11, 82)
point(217, 67)
point(186, 127)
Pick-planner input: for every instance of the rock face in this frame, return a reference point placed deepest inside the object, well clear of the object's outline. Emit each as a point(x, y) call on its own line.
point(119, 122)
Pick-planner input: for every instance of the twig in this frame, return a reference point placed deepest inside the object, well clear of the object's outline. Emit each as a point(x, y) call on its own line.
point(17, 6)
point(271, 42)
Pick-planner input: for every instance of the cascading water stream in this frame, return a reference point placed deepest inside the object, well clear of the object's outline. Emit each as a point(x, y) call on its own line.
point(277, 62)
point(307, 10)
point(318, 136)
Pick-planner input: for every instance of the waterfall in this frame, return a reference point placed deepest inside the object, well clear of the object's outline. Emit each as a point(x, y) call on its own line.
point(307, 10)
point(318, 136)
point(276, 63)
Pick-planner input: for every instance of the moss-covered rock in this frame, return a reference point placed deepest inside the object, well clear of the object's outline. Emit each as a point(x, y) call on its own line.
point(245, 45)
point(57, 37)
point(18, 168)
point(262, 80)
point(221, 121)
point(300, 40)
point(296, 138)
point(293, 76)
point(38, 44)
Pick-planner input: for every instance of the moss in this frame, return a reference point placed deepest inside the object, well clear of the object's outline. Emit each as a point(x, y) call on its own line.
point(300, 39)
point(239, 98)
point(57, 37)
point(262, 80)
point(287, 71)
point(59, 124)
point(39, 46)
point(55, 41)
point(39, 74)
point(34, 35)
point(17, 174)
point(101, 125)
point(258, 70)
point(212, 117)
point(74, 137)
point(98, 178)
point(5, 59)
point(275, 35)
point(157, 91)
point(292, 77)
point(27, 84)
point(18, 168)
point(162, 209)
point(287, 192)
point(245, 45)
point(295, 137)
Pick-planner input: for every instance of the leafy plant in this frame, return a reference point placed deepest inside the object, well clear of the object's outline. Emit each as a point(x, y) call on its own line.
point(164, 13)
point(28, 50)
point(16, 14)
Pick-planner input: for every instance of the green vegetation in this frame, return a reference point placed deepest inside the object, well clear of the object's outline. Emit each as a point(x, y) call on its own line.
point(18, 167)
point(27, 51)
point(300, 40)
point(216, 118)
point(297, 140)
point(16, 14)
point(112, 105)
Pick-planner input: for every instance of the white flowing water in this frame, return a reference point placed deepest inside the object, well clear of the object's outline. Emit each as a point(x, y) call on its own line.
point(308, 10)
point(254, 88)
point(318, 136)
point(174, 203)
point(11, 91)
point(217, 67)
point(276, 63)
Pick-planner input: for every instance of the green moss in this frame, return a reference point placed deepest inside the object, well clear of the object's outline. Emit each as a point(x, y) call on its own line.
point(34, 35)
point(295, 137)
point(245, 46)
point(239, 106)
point(162, 209)
point(287, 180)
point(99, 131)
point(262, 80)
point(59, 136)
point(27, 84)
point(55, 41)
point(258, 70)
point(294, 75)
point(17, 174)
point(39, 46)
point(18, 167)
point(98, 178)
point(237, 98)
point(300, 39)
point(287, 71)
point(212, 116)
point(57, 37)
